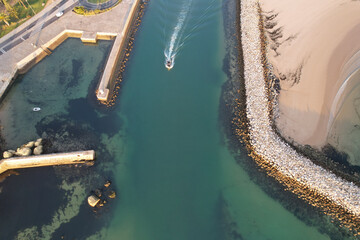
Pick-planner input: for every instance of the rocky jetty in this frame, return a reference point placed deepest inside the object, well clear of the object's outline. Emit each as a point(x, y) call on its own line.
point(323, 187)
point(27, 149)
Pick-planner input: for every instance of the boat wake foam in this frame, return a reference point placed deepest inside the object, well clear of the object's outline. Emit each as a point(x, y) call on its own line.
point(176, 37)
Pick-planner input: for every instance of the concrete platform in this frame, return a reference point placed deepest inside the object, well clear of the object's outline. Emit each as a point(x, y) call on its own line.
point(46, 160)
point(89, 37)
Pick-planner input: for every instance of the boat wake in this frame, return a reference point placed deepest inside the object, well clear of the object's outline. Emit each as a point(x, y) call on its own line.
point(176, 42)
point(181, 33)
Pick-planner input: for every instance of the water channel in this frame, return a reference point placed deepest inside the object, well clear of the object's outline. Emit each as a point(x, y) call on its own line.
point(162, 145)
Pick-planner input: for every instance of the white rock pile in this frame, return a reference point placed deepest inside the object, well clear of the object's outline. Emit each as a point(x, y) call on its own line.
point(33, 147)
point(265, 142)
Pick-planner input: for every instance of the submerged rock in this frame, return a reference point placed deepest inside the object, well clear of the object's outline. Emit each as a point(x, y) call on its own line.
point(93, 200)
point(112, 194)
point(98, 192)
point(107, 184)
point(38, 150)
point(7, 154)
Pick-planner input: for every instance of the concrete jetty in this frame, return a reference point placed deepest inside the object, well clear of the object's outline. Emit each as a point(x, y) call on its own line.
point(336, 196)
point(104, 87)
point(46, 160)
point(103, 90)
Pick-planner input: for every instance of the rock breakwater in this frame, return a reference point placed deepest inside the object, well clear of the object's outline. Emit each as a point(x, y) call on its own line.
point(318, 186)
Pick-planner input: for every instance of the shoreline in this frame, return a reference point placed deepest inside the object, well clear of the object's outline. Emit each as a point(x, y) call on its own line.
point(282, 162)
point(313, 51)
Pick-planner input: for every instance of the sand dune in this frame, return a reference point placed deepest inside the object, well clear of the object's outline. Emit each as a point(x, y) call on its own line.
point(313, 48)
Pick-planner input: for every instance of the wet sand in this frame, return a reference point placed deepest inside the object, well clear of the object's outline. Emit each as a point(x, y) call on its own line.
point(313, 49)
point(318, 186)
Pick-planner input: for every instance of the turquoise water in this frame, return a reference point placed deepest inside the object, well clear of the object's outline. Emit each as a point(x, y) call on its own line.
point(163, 145)
point(344, 133)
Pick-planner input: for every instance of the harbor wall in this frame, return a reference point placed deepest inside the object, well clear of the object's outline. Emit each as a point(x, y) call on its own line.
point(107, 81)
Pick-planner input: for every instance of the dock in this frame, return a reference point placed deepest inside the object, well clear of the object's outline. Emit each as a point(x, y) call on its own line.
point(44, 160)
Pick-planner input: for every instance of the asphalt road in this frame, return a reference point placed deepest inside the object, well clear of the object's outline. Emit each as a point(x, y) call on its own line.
point(25, 33)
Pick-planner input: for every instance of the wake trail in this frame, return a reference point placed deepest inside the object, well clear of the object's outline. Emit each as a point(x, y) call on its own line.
point(174, 44)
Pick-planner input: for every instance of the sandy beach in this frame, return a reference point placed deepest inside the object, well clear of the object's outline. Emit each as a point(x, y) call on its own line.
point(313, 48)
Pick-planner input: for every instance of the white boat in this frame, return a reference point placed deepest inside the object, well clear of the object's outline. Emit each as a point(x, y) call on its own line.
point(36, 109)
point(169, 63)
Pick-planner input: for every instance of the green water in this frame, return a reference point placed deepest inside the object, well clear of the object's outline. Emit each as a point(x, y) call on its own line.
point(177, 173)
point(162, 145)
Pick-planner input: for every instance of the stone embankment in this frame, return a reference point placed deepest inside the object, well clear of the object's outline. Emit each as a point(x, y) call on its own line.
point(267, 145)
point(46, 160)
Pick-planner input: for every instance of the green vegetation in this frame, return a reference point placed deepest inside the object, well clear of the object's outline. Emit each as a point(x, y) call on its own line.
point(17, 14)
point(97, 1)
point(83, 11)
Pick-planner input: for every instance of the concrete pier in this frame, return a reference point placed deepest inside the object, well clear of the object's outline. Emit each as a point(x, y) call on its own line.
point(104, 86)
point(46, 160)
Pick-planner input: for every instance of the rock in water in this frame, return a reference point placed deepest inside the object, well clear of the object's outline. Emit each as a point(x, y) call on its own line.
point(93, 200)
point(29, 144)
point(7, 154)
point(38, 150)
point(98, 192)
point(23, 151)
point(107, 184)
point(38, 142)
point(112, 194)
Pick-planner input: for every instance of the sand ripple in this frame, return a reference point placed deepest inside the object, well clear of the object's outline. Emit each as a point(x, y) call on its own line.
point(266, 144)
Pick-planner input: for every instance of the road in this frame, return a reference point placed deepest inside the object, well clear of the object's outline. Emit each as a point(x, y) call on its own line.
point(25, 33)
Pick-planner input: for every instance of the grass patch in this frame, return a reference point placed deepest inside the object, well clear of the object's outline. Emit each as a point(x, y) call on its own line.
point(83, 11)
point(6, 29)
point(23, 14)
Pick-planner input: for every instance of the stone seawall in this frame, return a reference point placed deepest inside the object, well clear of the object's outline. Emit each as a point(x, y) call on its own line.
point(269, 149)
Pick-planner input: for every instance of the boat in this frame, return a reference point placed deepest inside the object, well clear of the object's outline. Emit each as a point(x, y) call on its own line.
point(169, 63)
point(36, 109)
